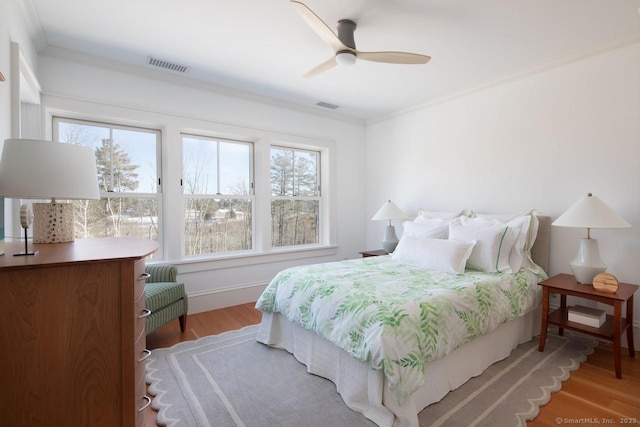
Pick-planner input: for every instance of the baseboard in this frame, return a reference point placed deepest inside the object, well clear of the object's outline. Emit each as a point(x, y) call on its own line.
point(224, 297)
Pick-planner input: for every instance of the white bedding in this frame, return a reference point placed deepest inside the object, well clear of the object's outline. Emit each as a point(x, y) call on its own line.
point(395, 316)
point(363, 389)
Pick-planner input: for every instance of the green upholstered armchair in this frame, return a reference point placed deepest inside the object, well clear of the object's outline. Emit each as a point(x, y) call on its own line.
point(165, 297)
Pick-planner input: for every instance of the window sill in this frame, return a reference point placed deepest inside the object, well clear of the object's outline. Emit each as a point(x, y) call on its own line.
point(195, 264)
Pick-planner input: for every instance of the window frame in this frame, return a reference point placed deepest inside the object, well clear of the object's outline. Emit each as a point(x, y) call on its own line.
point(296, 197)
point(170, 170)
point(251, 196)
point(56, 119)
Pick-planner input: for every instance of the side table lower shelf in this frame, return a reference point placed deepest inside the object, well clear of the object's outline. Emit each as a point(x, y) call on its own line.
point(560, 318)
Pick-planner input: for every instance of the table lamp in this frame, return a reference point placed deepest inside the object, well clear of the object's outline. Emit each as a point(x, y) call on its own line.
point(589, 212)
point(33, 169)
point(388, 212)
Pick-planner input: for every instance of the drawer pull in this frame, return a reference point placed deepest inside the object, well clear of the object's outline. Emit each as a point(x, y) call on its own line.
point(147, 353)
point(148, 399)
point(145, 313)
point(144, 276)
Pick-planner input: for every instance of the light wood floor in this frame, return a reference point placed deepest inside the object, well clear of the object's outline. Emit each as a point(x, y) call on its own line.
point(591, 396)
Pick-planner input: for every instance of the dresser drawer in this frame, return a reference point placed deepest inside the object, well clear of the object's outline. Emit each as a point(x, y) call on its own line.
point(140, 278)
point(140, 314)
point(142, 400)
point(140, 352)
point(140, 377)
point(141, 407)
point(140, 418)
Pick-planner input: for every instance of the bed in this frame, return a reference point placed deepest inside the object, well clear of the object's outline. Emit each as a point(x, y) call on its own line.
point(417, 333)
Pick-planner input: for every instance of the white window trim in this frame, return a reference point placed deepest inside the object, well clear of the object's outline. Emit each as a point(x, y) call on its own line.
point(172, 127)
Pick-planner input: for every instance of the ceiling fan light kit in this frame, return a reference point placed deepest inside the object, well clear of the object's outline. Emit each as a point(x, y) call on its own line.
point(346, 57)
point(344, 45)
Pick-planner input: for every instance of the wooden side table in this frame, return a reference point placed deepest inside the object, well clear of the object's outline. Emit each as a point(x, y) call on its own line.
point(613, 327)
point(376, 252)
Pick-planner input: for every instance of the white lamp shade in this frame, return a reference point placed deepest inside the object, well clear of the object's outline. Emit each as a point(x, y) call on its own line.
point(389, 211)
point(33, 169)
point(590, 212)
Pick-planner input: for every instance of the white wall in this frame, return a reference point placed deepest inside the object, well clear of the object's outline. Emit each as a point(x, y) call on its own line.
point(13, 28)
point(541, 141)
point(15, 41)
point(105, 90)
point(5, 61)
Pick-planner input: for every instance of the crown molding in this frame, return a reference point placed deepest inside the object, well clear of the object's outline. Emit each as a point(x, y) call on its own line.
point(185, 81)
point(557, 63)
point(32, 20)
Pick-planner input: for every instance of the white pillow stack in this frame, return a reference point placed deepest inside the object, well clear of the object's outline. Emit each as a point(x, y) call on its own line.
point(434, 223)
point(450, 241)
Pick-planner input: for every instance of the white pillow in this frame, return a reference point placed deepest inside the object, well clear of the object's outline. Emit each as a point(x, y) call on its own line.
point(527, 224)
point(424, 214)
point(502, 216)
point(493, 242)
point(434, 254)
point(521, 252)
point(435, 229)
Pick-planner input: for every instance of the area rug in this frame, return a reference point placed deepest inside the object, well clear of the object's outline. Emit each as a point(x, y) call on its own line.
point(232, 380)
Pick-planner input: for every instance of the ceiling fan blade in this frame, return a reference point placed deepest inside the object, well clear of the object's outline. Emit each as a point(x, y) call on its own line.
point(394, 57)
point(319, 26)
point(326, 65)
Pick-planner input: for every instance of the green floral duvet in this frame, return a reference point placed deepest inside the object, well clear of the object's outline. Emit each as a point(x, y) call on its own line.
point(396, 317)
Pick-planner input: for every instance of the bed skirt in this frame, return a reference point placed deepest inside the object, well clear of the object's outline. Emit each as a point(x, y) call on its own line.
point(363, 389)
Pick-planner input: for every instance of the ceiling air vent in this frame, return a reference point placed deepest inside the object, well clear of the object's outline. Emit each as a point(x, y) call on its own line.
point(168, 65)
point(327, 105)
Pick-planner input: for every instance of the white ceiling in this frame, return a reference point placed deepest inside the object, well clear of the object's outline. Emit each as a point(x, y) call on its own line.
point(264, 47)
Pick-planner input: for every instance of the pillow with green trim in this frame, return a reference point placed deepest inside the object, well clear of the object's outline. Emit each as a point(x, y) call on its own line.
point(527, 224)
point(494, 241)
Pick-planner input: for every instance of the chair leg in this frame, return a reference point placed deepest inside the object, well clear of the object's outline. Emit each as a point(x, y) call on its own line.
point(183, 322)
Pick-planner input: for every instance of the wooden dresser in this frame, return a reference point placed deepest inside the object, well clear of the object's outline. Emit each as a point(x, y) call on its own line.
point(72, 334)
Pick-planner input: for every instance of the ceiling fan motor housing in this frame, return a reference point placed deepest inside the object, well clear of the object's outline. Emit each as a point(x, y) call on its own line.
point(346, 28)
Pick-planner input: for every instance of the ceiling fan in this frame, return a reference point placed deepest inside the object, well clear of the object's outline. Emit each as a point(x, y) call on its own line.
point(344, 44)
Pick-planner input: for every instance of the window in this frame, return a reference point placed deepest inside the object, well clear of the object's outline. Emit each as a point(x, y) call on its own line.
point(227, 199)
point(127, 159)
point(218, 195)
point(295, 197)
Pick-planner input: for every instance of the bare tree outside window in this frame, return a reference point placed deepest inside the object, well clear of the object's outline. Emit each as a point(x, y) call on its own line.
point(126, 159)
point(218, 186)
point(295, 197)
point(217, 183)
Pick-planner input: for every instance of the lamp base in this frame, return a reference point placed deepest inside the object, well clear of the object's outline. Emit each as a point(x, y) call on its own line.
point(390, 240)
point(26, 245)
point(587, 264)
point(53, 223)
